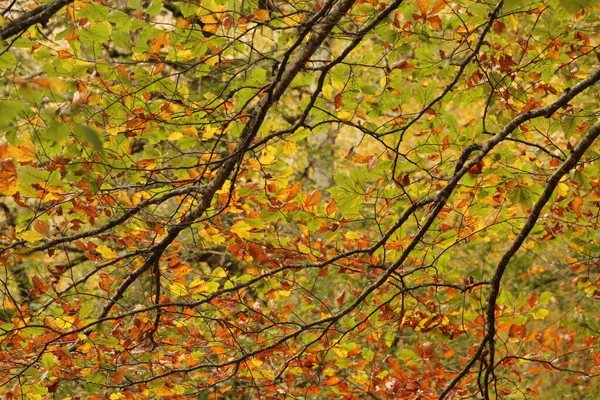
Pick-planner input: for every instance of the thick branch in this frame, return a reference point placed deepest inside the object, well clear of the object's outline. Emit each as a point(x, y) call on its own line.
point(39, 15)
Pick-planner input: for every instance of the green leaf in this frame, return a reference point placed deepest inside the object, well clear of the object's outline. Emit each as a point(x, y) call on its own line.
point(94, 12)
point(10, 110)
point(96, 33)
point(540, 313)
point(367, 354)
point(89, 135)
point(48, 360)
point(86, 310)
point(7, 60)
point(574, 6)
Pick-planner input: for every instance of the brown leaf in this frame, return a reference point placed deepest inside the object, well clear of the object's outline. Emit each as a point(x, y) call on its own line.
point(40, 284)
point(403, 65)
point(337, 101)
point(339, 300)
point(517, 331)
point(499, 27)
point(476, 169)
point(41, 227)
point(372, 163)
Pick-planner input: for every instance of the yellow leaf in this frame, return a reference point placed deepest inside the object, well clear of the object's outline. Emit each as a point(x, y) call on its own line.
point(289, 148)
point(241, 229)
point(293, 19)
point(562, 189)
point(175, 136)
point(340, 352)
point(185, 54)
point(106, 252)
point(352, 235)
point(215, 238)
point(140, 56)
point(255, 362)
point(178, 289)
point(24, 152)
point(327, 91)
point(32, 236)
point(344, 115)
point(212, 61)
point(198, 286)
point(163, 391)
point(266, 374)
point(209, 132)
point(219, 272)
point(267, 155)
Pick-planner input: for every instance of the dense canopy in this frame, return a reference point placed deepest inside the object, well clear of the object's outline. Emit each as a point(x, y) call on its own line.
point(387, 199)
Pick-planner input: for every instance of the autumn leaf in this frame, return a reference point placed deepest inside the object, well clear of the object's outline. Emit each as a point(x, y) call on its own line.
point(312, 198)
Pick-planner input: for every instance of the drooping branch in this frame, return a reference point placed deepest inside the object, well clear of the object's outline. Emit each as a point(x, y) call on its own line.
point(486, 147)
point(570, 163)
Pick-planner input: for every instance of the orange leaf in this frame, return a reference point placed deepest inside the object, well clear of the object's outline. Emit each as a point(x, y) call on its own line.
point(72, 36)
point(576, 204)
point(372, 163)
point(50, 83)
point(423, 6)
point(438, 7)
point(312, 198)
point(331, 381)
point(403, 65)
point(446, 141)
point(259, 15)
point(40, 284)
point(24, 152)
point(331, 207)
point(105, 282)
point(64, 54)
point(499, 27)
point(81, 87)
point(227, 22)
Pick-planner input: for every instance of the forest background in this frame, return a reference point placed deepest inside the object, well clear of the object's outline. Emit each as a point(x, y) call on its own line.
point(299, 199)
